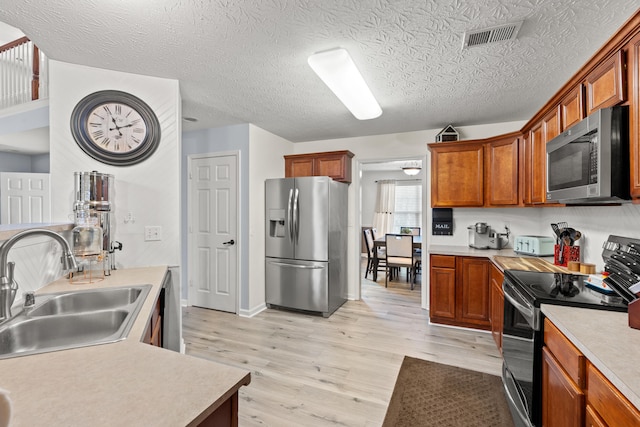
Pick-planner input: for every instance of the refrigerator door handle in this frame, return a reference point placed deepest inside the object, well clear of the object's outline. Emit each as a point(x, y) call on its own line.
point(306, 267)
point(289, 215)
point(296, 213)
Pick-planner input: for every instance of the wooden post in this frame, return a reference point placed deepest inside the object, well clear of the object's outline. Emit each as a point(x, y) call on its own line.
point(35, 80)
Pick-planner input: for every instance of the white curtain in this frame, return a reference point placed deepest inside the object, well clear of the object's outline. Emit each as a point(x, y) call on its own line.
point(385, 206)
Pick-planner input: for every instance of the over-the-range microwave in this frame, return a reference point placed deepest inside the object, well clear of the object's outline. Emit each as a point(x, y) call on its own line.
point(588, 163)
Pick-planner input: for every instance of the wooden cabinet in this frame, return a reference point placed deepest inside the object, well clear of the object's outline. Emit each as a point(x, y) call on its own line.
point(459, 291)
point(497, 305)
point(225, 415)
point(442, 287)
point(457, 174)
point(607, 403)
point(538, 164)
point(633, 72)
point(473, 290)
point(153, 332)
point(334, 164)
point(563, 380)
point(574, 392)
point(572, 107)
point(605, 85)
point(562, 400)
point(478, 173)
point(501, 187)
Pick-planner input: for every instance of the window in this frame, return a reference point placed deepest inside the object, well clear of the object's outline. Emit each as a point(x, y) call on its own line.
point(408, 205)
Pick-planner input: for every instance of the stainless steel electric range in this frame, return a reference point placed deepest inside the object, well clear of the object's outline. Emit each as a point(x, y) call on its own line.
point(522, 340)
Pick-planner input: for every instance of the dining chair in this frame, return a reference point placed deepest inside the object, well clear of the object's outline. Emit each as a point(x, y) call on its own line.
point(374, 263)
point(399, 254)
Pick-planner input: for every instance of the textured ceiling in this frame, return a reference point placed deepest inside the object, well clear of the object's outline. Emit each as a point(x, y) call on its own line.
point(242, 61)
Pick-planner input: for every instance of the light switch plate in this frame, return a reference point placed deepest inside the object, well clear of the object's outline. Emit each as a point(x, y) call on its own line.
point(152, 233)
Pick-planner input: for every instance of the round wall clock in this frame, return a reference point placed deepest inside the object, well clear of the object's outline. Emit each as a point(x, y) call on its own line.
point(115, 128)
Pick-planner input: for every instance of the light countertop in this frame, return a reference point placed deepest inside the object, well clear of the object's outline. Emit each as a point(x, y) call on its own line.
point(127, 383)
point(606, 339)
point(9, 230)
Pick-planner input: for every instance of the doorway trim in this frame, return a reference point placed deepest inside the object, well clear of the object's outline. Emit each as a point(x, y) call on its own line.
point(236, 154)
point(357, 276)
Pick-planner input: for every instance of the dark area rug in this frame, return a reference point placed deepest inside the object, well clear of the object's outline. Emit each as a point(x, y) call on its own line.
point(431, 394)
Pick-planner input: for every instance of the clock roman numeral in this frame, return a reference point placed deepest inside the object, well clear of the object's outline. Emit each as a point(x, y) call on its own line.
point(106, 142)
point(137, 130)
point(98, 115)
point(98, 134)
point(95, 125)
point(135, 122)
point(118, 109)
point(106, 108)
point(136, 140)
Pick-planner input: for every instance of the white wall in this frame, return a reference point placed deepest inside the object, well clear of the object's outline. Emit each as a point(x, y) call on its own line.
point(149, 191)
point(266, 161)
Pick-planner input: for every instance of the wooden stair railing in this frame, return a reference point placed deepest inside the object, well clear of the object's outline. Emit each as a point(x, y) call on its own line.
point(20, 52)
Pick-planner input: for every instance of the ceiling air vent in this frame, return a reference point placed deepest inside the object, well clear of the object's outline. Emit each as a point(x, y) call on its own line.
point(491, 35)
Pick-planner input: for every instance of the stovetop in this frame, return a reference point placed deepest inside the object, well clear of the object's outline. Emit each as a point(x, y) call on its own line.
point(560, 289)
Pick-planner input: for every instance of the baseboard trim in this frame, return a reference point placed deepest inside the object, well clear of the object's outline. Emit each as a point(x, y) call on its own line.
point(184, 302)
point(250, 313)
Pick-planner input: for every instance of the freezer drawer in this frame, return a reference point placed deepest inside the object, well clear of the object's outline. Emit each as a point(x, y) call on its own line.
point(302, 285)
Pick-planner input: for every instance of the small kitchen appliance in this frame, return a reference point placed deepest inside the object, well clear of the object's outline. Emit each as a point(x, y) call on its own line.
point(534, 245)
point(482, 236)
point(92, 208)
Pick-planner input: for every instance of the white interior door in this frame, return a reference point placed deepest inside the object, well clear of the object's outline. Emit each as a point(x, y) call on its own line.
point(25, 198)
point(213, 249)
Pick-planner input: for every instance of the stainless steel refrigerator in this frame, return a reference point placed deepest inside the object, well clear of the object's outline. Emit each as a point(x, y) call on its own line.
point(306, 244)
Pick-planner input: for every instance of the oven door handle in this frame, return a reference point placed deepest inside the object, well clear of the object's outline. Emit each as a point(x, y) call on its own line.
point(527, 310)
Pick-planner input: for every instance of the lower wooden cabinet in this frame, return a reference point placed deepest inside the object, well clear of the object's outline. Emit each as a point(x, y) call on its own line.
point(576, 393)
point(562, 399)
point(459, 291)
point(226, 415)
point(610, 406)
point(497, 305)
point(153, 332)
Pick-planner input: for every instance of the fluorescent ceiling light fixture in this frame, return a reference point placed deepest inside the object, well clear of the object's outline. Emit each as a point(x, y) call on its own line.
point(338, 71)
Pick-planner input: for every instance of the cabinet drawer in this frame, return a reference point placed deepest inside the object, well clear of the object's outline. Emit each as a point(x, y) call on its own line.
point(592, 419)
point(569, 357)
point(446, 261)
point(608, 402)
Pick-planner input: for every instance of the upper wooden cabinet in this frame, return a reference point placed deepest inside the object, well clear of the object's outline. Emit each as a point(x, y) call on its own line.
point(572, 107)
point(501, 187)
point(334, 164)
point(633, 71)
point(457, 174)
point(605, 85)
point(538, 164)
point(475, 173)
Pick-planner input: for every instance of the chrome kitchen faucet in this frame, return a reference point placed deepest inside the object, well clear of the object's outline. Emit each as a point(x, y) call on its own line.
point(8, 287)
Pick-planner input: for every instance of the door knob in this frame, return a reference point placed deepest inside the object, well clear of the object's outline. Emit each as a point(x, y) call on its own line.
point(230, 242)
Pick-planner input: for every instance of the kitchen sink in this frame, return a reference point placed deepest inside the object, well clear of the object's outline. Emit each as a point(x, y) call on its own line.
point(78, 302)
point(72, 319)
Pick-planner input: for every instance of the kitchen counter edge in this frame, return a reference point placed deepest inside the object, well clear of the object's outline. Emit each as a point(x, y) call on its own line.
point(123, 383)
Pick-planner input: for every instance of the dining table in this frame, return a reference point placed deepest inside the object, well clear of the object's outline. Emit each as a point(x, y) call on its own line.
point(381, 242)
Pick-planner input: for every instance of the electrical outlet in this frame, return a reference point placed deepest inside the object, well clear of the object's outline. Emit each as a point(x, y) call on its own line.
point(152, 232)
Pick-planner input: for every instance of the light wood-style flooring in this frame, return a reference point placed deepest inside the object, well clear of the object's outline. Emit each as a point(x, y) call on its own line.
point(311, 371)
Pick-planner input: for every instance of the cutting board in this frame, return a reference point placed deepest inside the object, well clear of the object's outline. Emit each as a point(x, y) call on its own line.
point(529, 264)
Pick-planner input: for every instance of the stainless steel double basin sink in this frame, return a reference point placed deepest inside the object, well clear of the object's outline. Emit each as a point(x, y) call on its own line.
point(72, 319)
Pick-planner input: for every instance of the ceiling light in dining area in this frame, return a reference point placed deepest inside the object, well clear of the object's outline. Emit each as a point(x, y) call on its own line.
point(412, 169)
point(338, 71)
